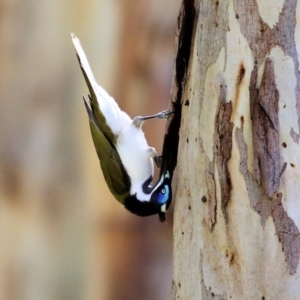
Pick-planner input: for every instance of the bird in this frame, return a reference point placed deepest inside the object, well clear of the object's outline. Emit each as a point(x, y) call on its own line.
point(125, 157)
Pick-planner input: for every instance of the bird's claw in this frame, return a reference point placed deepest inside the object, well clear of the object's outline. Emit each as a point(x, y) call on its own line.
point(165, 114)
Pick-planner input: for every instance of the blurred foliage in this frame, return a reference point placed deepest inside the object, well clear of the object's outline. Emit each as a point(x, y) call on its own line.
point(62, 234)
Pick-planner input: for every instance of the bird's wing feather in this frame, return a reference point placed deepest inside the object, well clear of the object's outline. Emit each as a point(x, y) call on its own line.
point(114, 173)
point(106, 120)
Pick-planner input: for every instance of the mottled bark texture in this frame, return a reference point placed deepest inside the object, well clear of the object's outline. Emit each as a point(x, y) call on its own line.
point(237, 93)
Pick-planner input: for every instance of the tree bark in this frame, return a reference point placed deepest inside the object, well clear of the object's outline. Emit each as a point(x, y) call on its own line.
point(236, 90)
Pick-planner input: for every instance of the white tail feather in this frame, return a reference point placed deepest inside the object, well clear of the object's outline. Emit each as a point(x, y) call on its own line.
point(116, 119)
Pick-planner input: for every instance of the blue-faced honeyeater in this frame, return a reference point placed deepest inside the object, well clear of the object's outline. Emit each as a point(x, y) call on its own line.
point(125, 157)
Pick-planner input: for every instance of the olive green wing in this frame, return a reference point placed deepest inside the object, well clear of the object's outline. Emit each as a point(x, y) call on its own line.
point(113, 170)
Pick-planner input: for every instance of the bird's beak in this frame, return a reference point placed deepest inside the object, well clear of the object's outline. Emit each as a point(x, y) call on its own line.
point(162, 217)
point(164, 170)
point(163, 208)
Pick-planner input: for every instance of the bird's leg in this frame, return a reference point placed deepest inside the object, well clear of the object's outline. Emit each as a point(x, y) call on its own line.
point(138, 121)
point(157, 158)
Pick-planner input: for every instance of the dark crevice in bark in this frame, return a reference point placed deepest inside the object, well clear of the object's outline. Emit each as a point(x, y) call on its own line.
point(184, 40)
point(211, 195)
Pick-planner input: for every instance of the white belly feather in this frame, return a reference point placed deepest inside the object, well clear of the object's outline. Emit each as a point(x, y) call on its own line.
point(136, 156)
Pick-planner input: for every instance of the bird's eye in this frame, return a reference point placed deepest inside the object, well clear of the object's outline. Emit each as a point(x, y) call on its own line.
point(163, 194)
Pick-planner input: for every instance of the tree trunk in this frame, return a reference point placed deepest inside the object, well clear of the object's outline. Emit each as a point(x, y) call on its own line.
point(237, 90)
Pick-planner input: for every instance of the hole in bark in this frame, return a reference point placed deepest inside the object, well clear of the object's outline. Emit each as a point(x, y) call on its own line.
point(187, 102)
point(190, 207)
point(221, 136)
point(179, 284)
point(182, 233)
point(241, 74)
point(284, 106)
point(187, 140)
point(212, 294)
point(203, 199)
point(217, 3)
point(284, 145)
point(237, 16)
point(263, 298)
point(196, 139)
point(292, 165)
point(242, 120)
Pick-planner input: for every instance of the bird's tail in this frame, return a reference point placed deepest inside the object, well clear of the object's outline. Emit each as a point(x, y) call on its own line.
point(107, 112)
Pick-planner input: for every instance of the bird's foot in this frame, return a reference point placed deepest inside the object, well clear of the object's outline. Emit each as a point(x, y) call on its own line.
point(164, 114)
point(138, 121)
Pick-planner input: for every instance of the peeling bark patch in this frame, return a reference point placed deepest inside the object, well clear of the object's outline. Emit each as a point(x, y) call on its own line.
point(265, 124)
point(288, 234)
point(256, 31)
point(212, 197)
point(286, 229)
point(223, 146)
point(183, 41)
point(262, 38)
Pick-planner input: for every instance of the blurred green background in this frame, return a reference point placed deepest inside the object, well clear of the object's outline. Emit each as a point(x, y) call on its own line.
point(62, 235)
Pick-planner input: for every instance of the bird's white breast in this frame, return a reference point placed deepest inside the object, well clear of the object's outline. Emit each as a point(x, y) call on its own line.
point(136, 157)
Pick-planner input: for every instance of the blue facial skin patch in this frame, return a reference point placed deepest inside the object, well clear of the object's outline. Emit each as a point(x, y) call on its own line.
point(162, 198)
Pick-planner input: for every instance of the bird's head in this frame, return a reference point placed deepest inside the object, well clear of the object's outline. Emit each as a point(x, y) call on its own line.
point(158, 197)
